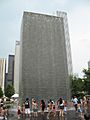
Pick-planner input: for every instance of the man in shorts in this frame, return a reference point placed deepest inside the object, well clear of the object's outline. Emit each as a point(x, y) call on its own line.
point(27, 107)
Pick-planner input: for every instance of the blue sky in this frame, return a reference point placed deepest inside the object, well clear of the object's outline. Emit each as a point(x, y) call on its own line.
point(78, 12)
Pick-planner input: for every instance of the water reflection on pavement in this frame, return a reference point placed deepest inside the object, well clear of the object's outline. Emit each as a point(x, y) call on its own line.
point(71, 115)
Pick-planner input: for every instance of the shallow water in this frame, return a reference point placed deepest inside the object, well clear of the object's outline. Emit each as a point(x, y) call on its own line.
point(71, 115)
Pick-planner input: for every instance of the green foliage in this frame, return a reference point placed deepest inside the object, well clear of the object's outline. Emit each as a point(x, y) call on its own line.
point(9, 91)
point(87, 80)
point(80, 86)
point(77, 85)
point(86, 73)
point(1, 92)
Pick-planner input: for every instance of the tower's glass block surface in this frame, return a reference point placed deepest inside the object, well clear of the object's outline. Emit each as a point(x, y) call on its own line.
point(44, 72)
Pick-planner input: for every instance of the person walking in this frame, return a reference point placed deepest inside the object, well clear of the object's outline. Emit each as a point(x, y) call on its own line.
point(52, 113)
point(75, 102)
point(23, 110)
point(65, 106)
point(27, 107)
point(42, 106)
point(19, 111)
point(61, 107)
point(34, 108)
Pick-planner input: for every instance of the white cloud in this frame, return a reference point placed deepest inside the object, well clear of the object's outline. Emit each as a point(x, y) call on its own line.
point(79, 24)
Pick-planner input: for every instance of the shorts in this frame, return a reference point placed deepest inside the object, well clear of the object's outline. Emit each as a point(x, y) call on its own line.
point(79, 110)
point(27, 110)
point(35, 110)
point(61, 107)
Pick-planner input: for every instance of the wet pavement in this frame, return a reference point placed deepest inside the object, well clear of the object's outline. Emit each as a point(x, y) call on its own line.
point(71, 115)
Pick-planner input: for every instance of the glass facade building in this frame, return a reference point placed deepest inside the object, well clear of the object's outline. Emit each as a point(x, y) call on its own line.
point(10, 76)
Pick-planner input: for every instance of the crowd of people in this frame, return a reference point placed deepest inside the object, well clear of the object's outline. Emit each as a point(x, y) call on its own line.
point(51, 107)
point(33, 108)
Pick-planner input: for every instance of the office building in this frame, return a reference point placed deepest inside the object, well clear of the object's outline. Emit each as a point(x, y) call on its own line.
point(16, 67)
point(2, 73)
point(10, 77)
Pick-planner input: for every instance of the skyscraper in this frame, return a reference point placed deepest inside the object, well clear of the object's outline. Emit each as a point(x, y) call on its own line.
point(10, 77)
point(2, 72)
point(16, 67)
point(44, 51)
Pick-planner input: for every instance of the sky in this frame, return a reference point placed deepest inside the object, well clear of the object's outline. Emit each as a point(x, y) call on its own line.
point(78, 13)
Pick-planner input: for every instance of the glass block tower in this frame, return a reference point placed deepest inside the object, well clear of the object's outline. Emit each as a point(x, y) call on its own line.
point(45, 56)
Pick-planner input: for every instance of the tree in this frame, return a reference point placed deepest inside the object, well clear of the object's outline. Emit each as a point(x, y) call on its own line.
point(87, 80)
point(80, 86)
point(86, 72)
point(77, 85)
point(9, 91)
point(1, 92)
